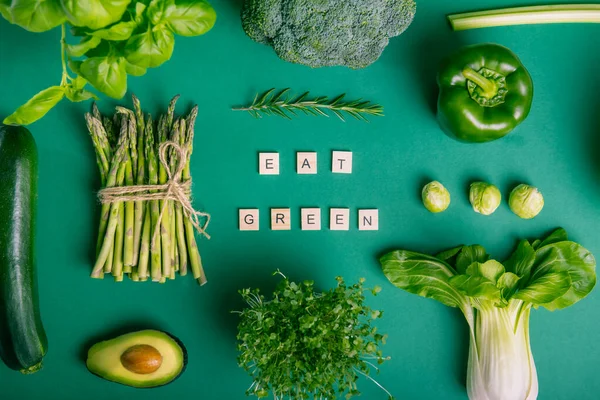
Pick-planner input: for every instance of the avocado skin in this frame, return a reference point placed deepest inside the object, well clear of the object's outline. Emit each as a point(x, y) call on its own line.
point(183, 368)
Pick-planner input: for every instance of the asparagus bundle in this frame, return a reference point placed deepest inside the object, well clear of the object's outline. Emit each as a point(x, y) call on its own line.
point(145, 231)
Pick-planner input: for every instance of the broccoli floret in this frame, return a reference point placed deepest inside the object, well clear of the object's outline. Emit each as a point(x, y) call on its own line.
point(321, 33)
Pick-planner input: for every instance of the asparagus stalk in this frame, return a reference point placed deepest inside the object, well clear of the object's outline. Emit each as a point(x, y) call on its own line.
point(165, 224)
point(96, 112)
point(144, 256)
point(109, 126)
point(129, 205)
point(101, 156)
point(110, 212)
point(109, 260)
point(179, 219)
point(153, 239)
point(193, 253)
point(173, 164)
point(118, 252)
point(140, 180)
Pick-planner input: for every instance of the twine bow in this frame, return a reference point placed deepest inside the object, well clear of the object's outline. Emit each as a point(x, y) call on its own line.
point(173, 189)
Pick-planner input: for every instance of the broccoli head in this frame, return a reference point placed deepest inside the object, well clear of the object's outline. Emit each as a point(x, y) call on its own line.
point(321, 33)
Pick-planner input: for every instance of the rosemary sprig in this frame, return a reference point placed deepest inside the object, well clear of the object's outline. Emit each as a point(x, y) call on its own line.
point(286, 106)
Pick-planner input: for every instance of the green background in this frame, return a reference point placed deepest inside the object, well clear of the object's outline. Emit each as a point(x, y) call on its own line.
point(555, 149)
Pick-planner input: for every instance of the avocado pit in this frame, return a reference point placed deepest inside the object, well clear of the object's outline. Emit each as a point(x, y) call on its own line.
point(141, 359)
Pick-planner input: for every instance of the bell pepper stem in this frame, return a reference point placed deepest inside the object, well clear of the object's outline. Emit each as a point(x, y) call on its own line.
point(489, 87)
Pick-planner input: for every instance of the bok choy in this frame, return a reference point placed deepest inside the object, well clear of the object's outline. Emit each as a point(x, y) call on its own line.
point(496, 300)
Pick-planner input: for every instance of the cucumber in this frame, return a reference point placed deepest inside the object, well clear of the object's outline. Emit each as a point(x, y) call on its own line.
point(23, 341)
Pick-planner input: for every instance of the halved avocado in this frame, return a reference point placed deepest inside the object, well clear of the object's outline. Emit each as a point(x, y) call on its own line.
point(143, 359)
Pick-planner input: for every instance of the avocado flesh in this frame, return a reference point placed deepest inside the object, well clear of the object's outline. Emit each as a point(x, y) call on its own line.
point(104, 359)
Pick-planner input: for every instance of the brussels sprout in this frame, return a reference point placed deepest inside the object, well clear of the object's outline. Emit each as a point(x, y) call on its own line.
point(436, 197)
point(526, 201)
point(484, 197)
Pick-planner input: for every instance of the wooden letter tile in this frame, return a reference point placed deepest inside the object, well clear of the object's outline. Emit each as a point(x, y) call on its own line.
point(268, 163)
point(311, 219)
point(249, 219)
point(339, 219)
point(368, 220)
point(306, 163)
point(280, 219)
point(341, 162)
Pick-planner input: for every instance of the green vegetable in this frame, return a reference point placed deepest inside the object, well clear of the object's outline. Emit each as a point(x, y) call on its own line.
point(33, 15)
point(143, 359)
point(496, 300)
point(37, 106)
point(189, 17)
point(304, 344)
point(118, 38)
point(526, 201)
point(94, 14)
point(351, 33)
point(484, 197)
point(127, 155)
point(106, 74)
point(549, 14)
point(436, 198)
point(151, 48)
point(23, 342)
point(485, 92)
point(286, 106)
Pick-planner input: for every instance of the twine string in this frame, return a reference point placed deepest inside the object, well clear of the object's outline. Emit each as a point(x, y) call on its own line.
point(174, 189)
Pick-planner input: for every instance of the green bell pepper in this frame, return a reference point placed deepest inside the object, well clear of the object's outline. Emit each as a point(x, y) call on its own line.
point(485, 92)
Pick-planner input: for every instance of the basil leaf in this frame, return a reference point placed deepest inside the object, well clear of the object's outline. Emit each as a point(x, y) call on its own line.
point(34, 15)
point(75, 66)
point(423, 275)
point(559, 235)
point(151, 48)
point(189, 17)
point(521, 261)
point(86, 44)
point(478, 287)
point(572, 258)
point(5, 10)
point(139, 13)
point(107, 74)
point(75, 91)
point(545, 288)
point(80, 95)
point(94, 14)
point(118, 31)
point(134, 70)
point(78, 83)
point(468, 256)
point(36, 107)
point(156, 11)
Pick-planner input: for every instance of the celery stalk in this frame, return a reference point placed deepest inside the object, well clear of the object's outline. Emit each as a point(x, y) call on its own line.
point(550, 14)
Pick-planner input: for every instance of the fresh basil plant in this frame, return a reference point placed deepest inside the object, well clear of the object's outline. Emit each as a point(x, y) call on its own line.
point(117, 38)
